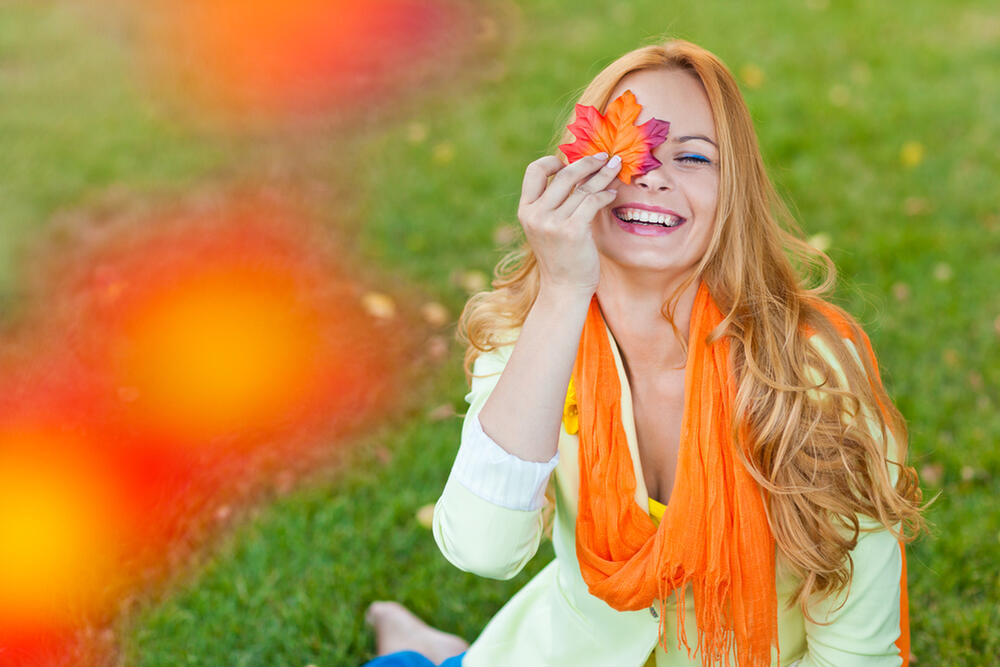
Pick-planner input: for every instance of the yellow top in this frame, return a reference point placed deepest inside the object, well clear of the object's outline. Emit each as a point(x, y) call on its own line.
point(656, 510)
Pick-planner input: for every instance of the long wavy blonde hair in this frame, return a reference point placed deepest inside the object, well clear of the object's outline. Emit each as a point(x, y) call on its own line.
point(817, 470)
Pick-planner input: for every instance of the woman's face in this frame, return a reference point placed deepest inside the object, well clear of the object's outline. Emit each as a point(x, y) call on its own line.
point(682, 192)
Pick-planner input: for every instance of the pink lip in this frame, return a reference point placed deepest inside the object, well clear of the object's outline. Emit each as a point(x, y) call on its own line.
point(646, 230)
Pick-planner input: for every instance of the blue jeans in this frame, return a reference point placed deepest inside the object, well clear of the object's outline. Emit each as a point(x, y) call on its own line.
point(412, 659)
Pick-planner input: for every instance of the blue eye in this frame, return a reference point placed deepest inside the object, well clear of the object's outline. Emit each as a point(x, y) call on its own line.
point(694, 157)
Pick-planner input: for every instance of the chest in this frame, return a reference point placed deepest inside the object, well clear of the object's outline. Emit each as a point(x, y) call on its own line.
point(658, 404)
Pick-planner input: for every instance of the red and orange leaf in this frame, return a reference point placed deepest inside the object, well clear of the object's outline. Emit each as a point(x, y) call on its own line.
point(616, 133)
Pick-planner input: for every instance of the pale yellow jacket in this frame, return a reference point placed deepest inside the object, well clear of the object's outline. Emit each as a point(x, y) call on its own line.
point(555, 621)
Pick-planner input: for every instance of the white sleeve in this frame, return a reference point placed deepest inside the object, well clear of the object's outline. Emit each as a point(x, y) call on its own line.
point(494, 474)
point(484, 467)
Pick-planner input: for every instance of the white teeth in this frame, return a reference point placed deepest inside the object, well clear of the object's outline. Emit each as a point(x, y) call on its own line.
point(649, 217)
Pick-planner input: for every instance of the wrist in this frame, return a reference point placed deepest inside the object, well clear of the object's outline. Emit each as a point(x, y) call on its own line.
point(564, 299)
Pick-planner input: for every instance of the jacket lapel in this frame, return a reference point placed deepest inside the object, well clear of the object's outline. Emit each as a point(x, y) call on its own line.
point(568, 476)
point(628, 422)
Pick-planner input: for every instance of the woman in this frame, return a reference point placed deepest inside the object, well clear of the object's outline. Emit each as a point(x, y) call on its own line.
point(653, 343)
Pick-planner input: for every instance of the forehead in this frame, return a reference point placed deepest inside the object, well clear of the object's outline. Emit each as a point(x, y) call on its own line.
point(672, 95)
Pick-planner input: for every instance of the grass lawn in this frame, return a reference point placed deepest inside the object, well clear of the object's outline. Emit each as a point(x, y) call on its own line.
point(878, 122)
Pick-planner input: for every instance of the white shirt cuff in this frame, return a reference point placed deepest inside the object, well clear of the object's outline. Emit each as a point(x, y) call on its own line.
point(497, 476)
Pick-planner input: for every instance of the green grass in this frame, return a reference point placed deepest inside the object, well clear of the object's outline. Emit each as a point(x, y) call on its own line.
point(846, 85)
point(74, 124)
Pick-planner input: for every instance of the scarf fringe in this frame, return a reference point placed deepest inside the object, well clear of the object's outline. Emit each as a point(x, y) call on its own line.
point(714, 648)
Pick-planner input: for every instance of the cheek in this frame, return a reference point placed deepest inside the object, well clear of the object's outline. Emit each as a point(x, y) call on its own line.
point(705, 192)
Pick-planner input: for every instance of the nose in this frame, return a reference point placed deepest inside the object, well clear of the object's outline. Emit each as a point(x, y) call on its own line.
point(657, 180)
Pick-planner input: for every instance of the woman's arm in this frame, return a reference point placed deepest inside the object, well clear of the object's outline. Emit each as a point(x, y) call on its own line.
point(488, 519)
point(524, 412)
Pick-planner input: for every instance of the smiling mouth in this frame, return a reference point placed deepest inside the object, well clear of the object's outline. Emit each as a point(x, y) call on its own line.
point(638, 216)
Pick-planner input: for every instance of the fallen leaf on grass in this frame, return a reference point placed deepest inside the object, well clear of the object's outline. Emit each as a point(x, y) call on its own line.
point(861, 72)
point(434, 314)
point(383, 454)
point(416, 133)
point(425, 515)
point(437, 348)
point(969, 473)
point(942, 272)
point(916, 206)
point(932, 473)
point(975, 380)
point(839, 95)
point(911, 154)
point(487, 30)
point(820, 241)
point(284, 481)
point(752, 75)
point(473, 281)
point(443, 153)
point(441, 412)
point(504, 234)
point(379, 305)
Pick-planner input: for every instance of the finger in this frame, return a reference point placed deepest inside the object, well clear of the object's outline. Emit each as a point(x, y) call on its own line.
point(604, 177)
point(536, 176)
point(568, 177)
point(599, 181)
point(591, 204)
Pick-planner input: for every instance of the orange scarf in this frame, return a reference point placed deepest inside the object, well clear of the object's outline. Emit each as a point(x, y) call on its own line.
point(714, 535)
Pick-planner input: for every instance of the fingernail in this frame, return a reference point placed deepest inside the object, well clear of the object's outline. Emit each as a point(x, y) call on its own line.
point(601, 156)
point(615, 161)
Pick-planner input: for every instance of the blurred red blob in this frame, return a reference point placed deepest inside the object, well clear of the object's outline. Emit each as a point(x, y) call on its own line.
point(226, 348)
point(232, 332)
point(67, 519)
point(62, 522)
point(177, 365)
point(305, 56)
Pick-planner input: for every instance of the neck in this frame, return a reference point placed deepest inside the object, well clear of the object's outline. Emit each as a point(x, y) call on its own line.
point(631, 305)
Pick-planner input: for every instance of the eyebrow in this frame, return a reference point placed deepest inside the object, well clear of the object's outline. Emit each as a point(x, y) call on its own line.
point(696, 136)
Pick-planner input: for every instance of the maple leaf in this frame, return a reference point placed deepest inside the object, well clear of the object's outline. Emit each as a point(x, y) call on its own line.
point(616, 133)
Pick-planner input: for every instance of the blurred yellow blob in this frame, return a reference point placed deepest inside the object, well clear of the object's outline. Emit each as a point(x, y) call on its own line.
point(60, 532)
point(220, 353)
point(752, 75)
point(911, 154)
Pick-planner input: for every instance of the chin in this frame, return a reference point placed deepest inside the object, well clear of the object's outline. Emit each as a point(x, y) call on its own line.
point(669, 253)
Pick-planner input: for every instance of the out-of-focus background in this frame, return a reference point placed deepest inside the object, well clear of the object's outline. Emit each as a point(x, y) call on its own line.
point(235, 238)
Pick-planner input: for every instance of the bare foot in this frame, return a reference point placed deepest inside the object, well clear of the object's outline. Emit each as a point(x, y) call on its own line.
point(398, 629)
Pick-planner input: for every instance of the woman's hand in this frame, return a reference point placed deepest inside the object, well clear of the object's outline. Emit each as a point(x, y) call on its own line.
point(557, 214)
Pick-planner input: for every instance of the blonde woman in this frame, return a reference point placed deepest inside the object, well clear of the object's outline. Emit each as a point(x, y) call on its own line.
point(729, 482)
